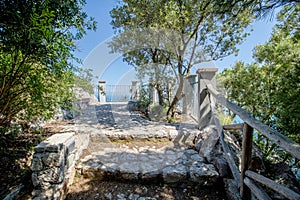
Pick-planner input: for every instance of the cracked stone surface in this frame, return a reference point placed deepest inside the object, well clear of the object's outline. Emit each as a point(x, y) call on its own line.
point(106, 158)
point(147, 163)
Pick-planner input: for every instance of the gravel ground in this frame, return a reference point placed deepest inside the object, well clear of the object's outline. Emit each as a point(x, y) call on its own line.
point(97, 189)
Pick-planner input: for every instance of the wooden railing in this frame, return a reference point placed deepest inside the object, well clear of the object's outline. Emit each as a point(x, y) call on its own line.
point(245, 179)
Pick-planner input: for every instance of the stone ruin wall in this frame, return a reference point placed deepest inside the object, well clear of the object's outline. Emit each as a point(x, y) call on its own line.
point(53, 164)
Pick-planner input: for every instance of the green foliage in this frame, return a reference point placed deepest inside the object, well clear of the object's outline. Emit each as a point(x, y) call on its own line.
point(261, 8)
point(144, 99)
point(225, 119)
point(270, 88)
point(157, 112)
point(36, 47)
point(84, 80)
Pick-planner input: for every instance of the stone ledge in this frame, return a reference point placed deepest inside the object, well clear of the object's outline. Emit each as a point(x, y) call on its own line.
point(54, 143)
point(53, 164)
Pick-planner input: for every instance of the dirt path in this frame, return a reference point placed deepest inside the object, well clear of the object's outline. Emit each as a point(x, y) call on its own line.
point(95, 189)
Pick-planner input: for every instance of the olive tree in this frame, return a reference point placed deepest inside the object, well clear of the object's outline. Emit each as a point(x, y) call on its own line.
point(195, 32)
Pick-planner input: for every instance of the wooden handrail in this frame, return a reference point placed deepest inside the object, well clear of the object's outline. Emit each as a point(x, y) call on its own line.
point(233, 126)
point(234, 169)
point(244, 179)
point(279, 139)
point(288, 193)
point(228, 155)
point(255, 189)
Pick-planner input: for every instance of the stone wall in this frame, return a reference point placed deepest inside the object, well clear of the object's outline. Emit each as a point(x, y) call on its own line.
point(53, 164)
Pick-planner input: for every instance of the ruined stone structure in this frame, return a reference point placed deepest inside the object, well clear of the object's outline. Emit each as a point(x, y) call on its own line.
point(53, 164)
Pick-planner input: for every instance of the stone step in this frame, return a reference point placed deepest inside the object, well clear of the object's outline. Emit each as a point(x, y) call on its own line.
point(169, 165)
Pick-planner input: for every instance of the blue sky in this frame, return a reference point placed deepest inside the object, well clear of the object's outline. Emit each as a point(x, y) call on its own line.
point(95, 54)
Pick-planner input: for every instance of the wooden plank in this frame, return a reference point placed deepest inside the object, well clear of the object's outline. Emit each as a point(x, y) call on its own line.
point(246, 159)
point(233, 126)
point(279, 139)
point(286, 192)
point(256, 190)
point(228, 154)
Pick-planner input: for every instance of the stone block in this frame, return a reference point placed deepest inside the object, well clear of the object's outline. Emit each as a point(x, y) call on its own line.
point(174, 173)
point(36, 164)
point(173, 134)
point(132, 167)
point(82, 140)
point(46, 147)
point(232, 191)
point(129, 171)
point(150, 167)
point(35, 180)
point(70, 145)
point(204, 174)
point(53, 159)
point(147, 175)
point(54, 143)
point(70, 160)
point(52, 175)
point(221, 164)
point(191, 152)
point(111, 168)
point(206, 140)
point(129, 176)
point(197, 158)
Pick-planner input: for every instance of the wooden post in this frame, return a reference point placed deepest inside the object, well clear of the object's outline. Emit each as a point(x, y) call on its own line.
point(246, 159)
point(205, 76)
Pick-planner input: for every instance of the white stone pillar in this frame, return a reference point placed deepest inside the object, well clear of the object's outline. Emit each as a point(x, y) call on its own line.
point(101, 91)
point(188, 89)
point(154, 96)
point(205, 76)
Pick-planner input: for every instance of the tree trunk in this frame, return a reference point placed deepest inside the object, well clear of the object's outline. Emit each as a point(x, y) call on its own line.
point(160, 95)
point(177, 98)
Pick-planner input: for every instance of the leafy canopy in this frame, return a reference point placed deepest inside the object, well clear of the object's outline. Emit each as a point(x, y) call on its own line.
point(177, 34)
point(37, 41)
point(270, 87)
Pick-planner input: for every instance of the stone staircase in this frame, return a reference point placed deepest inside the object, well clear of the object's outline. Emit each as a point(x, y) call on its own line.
point(108, 157)
point(148, 164)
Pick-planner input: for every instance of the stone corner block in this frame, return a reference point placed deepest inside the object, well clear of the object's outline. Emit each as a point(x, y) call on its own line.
point(54, 143)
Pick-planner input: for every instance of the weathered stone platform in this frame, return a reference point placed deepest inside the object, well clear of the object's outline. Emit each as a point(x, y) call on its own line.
point(108, 158)
point(167, 164)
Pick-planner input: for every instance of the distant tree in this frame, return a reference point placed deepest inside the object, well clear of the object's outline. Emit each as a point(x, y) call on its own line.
point(84, 79)
point(261, 8)
point(195, 32)
point(270, 87)
point(37, 41)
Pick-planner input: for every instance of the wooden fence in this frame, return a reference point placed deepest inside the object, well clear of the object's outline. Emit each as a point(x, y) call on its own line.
point(245, 179)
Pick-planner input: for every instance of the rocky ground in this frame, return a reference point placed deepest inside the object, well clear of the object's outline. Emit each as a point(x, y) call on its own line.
point(132, 158)
point(112, 190)
point(121, 132)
